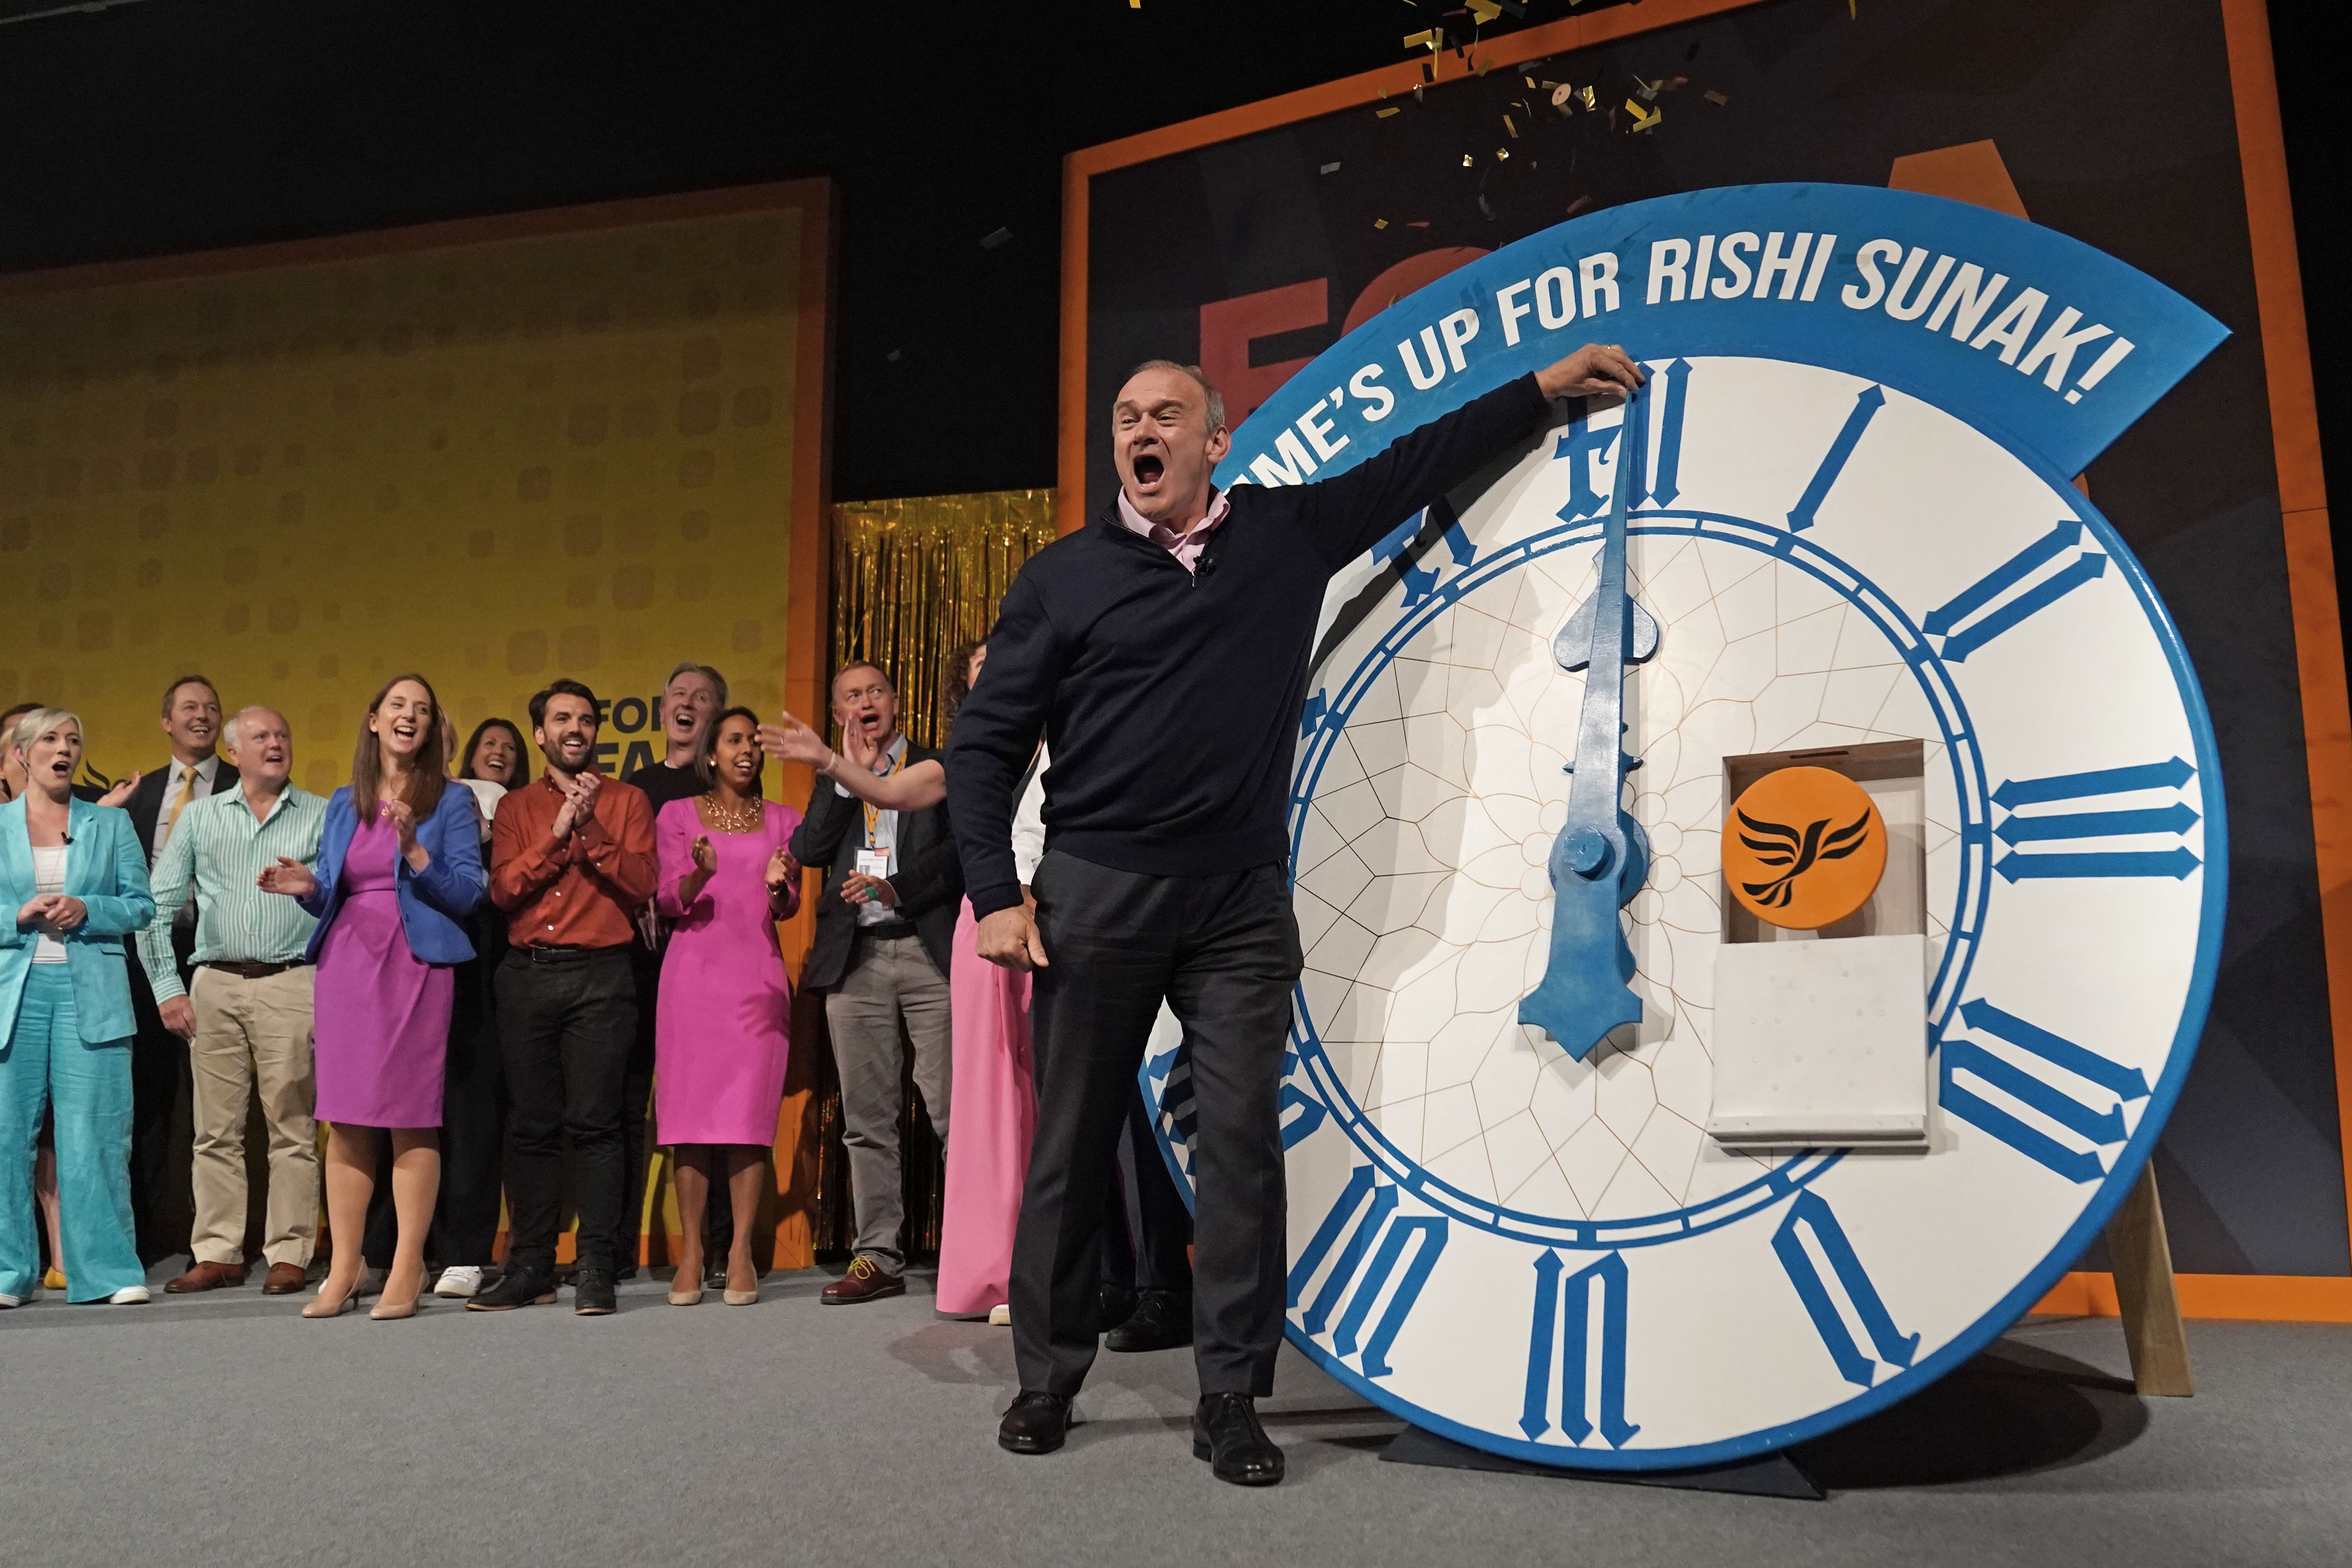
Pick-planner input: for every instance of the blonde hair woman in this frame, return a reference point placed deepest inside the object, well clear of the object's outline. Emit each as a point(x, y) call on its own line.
point(76, 877)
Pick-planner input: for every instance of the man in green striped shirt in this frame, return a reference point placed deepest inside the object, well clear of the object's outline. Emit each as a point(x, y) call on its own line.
point(247, 1014)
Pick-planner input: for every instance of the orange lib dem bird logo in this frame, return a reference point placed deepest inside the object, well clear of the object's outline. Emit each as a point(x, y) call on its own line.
point(1804, 847)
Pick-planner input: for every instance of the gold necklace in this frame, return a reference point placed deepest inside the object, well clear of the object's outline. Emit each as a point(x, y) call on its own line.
point(747, 819)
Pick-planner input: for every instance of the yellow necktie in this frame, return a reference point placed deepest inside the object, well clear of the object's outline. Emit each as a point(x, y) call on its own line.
point(179, 802)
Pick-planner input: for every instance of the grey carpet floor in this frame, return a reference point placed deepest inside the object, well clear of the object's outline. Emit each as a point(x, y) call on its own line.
point(223, 1429)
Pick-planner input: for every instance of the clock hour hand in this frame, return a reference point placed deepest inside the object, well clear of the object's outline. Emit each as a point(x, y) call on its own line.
point(1600, 857)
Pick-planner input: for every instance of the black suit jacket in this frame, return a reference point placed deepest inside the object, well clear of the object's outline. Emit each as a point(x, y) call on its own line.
point(929, 883)
point(146, 809)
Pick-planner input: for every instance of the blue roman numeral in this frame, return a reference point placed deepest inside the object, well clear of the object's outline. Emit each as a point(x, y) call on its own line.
point(1813, 1211)
point(2098, 1127)
point(1301, 1126)
point(1668, 415)
point(1577, 446)
point(1354, 1286)
point(2174, 821)
point(1866, 408)
point(1986, 611)
point(1572, 1341)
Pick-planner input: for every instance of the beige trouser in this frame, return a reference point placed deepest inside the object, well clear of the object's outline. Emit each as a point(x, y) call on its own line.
point(250, 1032)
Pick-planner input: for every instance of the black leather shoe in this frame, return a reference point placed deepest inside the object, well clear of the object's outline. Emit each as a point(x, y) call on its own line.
point(592, 1293)
point(1226, 1433)
point(518, 1286)
point(1162, 1320)
point(1113, 1306)
point(1035, 1425)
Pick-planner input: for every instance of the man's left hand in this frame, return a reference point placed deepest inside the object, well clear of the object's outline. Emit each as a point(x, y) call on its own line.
point(1596, 370)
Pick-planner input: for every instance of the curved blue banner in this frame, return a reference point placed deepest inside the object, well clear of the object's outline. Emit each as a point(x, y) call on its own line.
point(2020, 330)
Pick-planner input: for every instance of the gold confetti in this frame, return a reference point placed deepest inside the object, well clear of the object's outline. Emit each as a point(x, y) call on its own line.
point(1429, 36)
point(1528, 79)
point(1484, 11)
point(1714, 96)
point(1502, 154)
point(1380, 222)
point(1590, 98)
point(1578, 204)
point(1467, 161)
point(1511, 128)
point(1384, 114)
point(1644, 121)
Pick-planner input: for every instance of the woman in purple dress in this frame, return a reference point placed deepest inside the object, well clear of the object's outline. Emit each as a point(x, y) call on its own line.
point(721, 1024)
point(400, 865)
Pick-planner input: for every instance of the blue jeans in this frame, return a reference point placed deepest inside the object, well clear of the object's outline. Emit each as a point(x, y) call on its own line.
point(46, 1059)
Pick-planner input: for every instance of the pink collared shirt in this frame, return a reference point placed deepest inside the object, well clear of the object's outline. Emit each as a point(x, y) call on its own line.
point(1185, 546)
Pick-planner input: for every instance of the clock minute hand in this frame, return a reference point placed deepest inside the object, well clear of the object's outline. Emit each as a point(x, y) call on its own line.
point(1600, 857)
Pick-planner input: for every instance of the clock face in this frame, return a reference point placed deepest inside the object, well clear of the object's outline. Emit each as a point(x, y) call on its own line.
point(1543, 1252)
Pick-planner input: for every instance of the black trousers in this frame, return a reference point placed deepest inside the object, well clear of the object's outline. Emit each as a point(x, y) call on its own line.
point(566, 1022)
point(1149, 1228)
point(1223, 952)
point(473, 1123)
point(162, 1202)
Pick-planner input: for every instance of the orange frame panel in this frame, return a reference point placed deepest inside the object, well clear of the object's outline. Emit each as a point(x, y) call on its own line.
point(2295, 426)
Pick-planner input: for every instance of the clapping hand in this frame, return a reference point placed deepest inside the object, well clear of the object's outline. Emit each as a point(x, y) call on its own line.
point(784, 871)
point(403, 823)
point(122, 791)
point(288, 876)
point(860, 749)
point(790, 740)
point(859, 888)
point(706, 859)
point(579, 802)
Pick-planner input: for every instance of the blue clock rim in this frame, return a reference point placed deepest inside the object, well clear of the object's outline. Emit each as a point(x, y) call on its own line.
point(1961, 936)
point(2112, 1190)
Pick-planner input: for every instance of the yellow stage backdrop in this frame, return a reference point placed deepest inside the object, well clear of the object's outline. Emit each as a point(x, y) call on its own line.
point(565, 445)
point(588, 442)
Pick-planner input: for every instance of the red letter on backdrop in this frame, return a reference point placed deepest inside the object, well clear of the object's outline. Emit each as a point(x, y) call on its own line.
point(1228, 326)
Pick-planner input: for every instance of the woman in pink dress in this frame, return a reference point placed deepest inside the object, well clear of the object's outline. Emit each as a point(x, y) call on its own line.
point(720, 1023)
point(995, 1111)
point(400, 867)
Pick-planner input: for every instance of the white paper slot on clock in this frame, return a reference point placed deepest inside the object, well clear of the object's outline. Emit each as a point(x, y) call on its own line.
point(1821, 1042)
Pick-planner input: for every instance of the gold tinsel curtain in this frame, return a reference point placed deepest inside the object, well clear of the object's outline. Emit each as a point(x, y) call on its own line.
point(912, 580)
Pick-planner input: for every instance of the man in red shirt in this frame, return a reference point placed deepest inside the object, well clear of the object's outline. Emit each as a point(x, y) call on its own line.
point(571, 861)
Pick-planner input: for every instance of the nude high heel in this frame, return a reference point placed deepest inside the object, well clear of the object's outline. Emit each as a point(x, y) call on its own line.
point(319, 1306)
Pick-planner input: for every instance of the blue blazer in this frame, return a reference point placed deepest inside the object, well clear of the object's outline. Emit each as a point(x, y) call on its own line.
point(432, 904)
point(106, 871)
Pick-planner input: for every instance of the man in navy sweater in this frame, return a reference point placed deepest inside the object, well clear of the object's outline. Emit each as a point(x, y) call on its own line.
point(1163, 651)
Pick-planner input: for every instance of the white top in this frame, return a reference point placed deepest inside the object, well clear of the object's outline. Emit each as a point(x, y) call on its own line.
point(884, 834)
point(486, 794)
point(1029, 822)
point(48, 876)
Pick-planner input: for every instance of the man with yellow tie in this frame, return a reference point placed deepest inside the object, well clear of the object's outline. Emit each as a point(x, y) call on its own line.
point(160, 1205)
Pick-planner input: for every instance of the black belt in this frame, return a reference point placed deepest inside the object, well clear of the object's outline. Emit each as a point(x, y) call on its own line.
point(245, 970)
point(888, 930)
point(550, 952)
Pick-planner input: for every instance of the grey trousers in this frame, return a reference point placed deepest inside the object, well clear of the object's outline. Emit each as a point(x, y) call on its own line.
point(891, 981)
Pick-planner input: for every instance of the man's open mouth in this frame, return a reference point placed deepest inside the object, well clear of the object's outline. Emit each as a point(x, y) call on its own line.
point(1147, 467)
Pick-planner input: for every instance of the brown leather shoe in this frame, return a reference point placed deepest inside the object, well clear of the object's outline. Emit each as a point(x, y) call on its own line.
point(285, 1279)
point(203, 1275)
point(865, 1281)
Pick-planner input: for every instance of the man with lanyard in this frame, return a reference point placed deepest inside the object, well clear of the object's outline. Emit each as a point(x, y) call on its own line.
point(247, 1013)
point(1166, 643)
point(884, 931)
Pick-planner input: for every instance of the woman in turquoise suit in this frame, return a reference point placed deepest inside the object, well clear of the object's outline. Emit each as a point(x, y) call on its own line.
point(76, 880)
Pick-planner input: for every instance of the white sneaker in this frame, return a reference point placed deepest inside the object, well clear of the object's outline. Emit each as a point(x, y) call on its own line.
point(7, 1300)
point(458, 1282)
point(1000, 1317)
point(130, 1295)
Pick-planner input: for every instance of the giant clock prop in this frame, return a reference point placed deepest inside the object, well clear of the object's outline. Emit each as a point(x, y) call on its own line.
point(1595, 1159)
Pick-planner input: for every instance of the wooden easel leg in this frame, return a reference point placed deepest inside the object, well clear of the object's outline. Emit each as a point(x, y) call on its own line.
point(2144, 1289)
